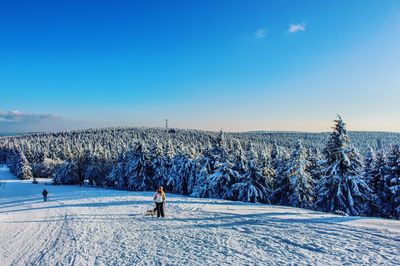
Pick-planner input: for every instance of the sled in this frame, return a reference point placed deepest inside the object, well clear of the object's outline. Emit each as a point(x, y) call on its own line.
point(151, 212)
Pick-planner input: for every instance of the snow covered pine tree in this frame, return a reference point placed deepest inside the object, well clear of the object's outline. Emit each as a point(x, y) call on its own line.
point(369, 159)
point(224, 175)
point(380, 193)
point(208, 164)
point(253, 185)
point(160, 165)
point(139, 170)
point(181, 172)
point(117, 177)
point(341, 187)
point(296, 187)
point(66, 174)
point(23, 170)
point(393, 180)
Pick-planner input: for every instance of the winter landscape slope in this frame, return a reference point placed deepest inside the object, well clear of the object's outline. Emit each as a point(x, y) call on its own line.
point(93, 226)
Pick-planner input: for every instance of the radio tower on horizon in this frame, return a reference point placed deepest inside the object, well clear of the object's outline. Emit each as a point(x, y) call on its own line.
point(166, 124)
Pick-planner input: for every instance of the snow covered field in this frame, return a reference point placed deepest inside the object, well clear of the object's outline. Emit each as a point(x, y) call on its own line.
point(90, 226)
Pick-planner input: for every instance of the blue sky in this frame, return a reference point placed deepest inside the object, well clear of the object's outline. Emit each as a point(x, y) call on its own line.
point(235, 65)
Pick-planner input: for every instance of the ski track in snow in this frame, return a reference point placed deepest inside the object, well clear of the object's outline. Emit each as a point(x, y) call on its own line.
point(91, 226)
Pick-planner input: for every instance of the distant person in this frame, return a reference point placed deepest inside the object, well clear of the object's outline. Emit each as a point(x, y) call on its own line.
point(45, 193)
point(159, 200)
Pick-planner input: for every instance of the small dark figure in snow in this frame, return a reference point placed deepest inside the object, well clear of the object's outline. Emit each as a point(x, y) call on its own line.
point(44, 193)
point(159, 200)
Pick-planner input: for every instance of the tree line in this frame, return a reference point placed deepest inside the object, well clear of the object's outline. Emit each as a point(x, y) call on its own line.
point(249, 167)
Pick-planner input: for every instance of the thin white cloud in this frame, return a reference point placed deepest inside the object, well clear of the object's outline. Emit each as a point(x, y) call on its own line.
point(297, 27)
point(260, 33)
point(19, 117)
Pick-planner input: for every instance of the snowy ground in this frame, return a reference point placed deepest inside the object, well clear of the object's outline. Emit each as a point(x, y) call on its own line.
point(89, 226)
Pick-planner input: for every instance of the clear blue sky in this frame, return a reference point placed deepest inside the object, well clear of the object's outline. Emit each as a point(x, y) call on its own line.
point(235, 65)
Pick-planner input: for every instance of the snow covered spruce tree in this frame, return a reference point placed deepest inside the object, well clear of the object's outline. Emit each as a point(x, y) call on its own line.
point(117, 177)
point(341, 187)
point(278, 159)
point(182, 172)
point(275, 155)
point(46, 167)
point(393, 180)
point(97, 170)
point(160, 165)
point(369, 159)
point(253, 185)
point(12, 159)
point(23, 169)
point(66, 174)
point(315, 162)
point(296, 187)
point(238, 158)
point(207, 166)
point(139, 169)
point(380, 192)
point(224, 175)
point(264, 163)
point(3, 154)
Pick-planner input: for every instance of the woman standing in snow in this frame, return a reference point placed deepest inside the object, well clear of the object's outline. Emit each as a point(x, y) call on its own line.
point(159, 199)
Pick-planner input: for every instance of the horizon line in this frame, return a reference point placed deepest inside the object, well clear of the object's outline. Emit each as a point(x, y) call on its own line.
point(10, 134)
